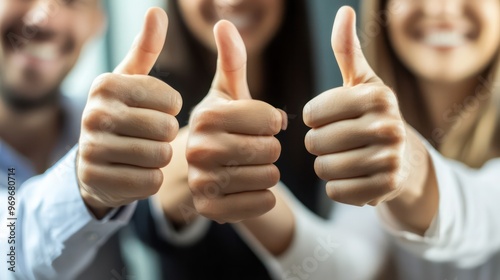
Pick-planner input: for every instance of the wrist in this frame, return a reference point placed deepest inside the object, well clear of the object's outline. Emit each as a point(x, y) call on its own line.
point(179, 212)
point(97, 208)
point(417, 203)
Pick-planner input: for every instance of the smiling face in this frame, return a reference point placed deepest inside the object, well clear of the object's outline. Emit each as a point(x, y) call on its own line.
point(445, 40)
point(40, 41)
point(256, 20)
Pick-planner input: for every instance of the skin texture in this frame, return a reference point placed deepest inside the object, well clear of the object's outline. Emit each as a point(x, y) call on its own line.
point(231, 150)
point(134, 112)
point(226, 121)
point(364, 148)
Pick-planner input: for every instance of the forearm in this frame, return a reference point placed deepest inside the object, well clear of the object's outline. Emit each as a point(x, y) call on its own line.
point(174, 196)
point(417, 204)
point(54, 224)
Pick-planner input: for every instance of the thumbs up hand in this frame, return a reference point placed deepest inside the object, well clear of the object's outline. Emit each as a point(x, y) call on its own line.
point(231, 146)
point(358, 133)
point(127, 125)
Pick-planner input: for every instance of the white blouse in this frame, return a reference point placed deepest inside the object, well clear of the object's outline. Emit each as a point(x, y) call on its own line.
point(463, 241)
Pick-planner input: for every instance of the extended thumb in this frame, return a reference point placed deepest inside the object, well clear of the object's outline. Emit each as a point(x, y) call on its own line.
point(347, 49)
point(147, 46)
point(231, 75)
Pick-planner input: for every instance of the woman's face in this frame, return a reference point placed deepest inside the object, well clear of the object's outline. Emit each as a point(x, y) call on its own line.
point(445, 40)
point(256, 20)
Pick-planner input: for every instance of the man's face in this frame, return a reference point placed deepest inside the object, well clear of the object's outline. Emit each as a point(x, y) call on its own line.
point(40, 42)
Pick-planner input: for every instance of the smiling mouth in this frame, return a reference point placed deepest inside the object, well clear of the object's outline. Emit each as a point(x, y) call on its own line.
point(243, 16)
point(44, 52)
point(444, 39)
point(240, 21)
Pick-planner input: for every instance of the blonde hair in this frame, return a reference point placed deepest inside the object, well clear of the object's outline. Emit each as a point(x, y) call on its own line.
point(474, 136)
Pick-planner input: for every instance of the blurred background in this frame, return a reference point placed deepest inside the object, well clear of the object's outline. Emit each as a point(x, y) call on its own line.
point(125, 20)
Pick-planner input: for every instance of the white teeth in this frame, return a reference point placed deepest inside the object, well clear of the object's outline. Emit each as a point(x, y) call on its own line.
point(41, 51)
point(444, 39)
point(240, 20)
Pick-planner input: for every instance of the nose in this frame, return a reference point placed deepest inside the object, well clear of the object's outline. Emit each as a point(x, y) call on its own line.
point(40, 12)
point(442, 8)
point(43, 19)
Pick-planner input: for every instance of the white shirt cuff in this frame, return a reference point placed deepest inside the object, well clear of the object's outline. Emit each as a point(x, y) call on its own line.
point(59, 232)
point(435, 232)
point(188, 235)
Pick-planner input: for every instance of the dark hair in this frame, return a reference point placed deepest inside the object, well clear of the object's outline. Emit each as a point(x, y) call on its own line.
point(288, 84)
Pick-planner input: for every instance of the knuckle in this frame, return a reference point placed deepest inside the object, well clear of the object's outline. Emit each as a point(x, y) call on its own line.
point(194, 153)
point(393, 161)
point(392, 131)
point(208, 208)
point(88, 151)
point(340, 195)
point(199, 153)
point(103, 85)
point(97, 119)
point(87, 174)
point(197, 180)
point(382, 99)
point(391, 182)
point(206, 118)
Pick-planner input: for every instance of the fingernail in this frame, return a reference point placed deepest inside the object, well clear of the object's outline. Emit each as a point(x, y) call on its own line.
point(284, 119)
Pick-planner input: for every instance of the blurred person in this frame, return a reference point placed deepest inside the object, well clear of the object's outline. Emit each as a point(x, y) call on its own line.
point(280, 72)
point(442, 60)
point(60, 213)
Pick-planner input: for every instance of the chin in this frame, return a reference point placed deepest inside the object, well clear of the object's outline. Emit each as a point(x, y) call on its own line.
point(445, 77)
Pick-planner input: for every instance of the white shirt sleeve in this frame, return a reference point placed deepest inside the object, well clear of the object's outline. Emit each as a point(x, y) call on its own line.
point(350, 246)
point(188, 235)
point(466, 228)
point(56, 235)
